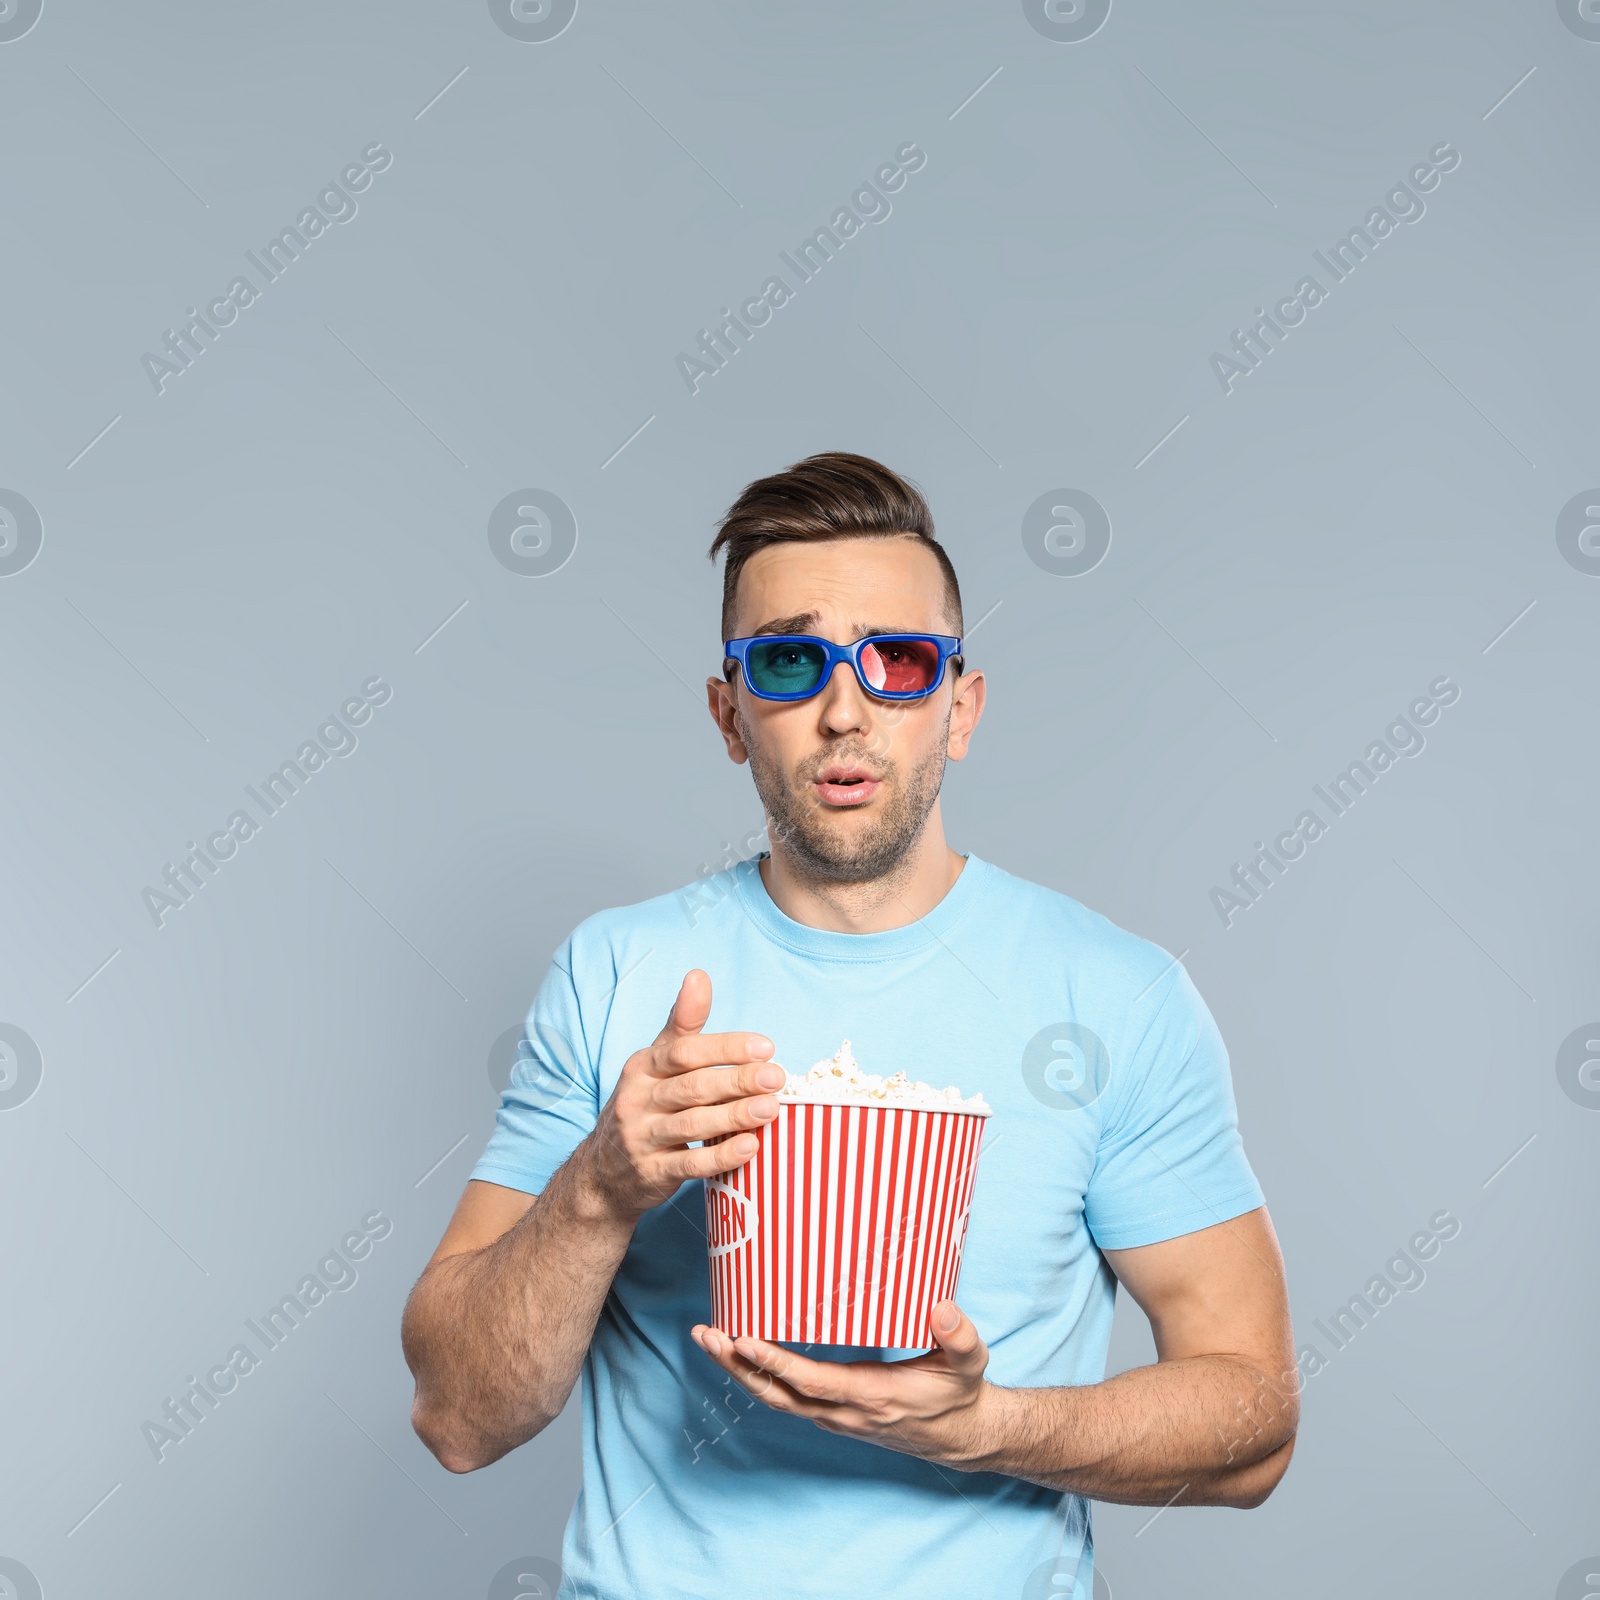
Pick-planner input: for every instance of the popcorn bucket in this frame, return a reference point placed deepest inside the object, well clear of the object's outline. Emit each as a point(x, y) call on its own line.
point(845, 1227)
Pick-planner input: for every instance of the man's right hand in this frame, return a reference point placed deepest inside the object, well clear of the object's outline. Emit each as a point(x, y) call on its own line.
point(687, 1085)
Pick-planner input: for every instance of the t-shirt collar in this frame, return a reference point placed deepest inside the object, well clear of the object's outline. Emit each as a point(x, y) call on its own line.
point(826, 944)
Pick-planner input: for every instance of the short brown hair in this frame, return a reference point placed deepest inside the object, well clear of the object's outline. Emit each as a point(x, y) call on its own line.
point(835, 495)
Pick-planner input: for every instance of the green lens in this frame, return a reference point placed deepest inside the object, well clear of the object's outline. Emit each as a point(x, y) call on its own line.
point(785, 666)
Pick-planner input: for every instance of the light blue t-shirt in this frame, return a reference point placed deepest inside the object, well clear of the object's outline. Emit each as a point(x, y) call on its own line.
point(1113, 1126)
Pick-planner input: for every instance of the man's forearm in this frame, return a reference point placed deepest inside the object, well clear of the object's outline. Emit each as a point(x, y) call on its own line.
point(496, 1337)
point(1209, 1430)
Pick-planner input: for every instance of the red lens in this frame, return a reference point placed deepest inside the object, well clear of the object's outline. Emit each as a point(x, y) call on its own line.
point(900, 666)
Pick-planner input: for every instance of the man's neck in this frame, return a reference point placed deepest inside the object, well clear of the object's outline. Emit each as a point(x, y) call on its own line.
point(900, 897)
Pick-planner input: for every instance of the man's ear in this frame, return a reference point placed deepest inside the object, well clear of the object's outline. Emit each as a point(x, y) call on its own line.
point(725, 713)
point(965, 709)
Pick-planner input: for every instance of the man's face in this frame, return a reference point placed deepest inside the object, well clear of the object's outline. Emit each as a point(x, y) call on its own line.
point(847, 780)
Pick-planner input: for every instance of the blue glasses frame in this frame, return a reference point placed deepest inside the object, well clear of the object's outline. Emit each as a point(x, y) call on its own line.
point(947, 644)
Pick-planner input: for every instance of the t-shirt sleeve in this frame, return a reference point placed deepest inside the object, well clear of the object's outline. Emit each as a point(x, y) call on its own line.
point(552, 1099)
point(1170, 1160)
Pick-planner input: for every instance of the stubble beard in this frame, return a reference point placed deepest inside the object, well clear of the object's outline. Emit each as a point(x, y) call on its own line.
point(824, 854)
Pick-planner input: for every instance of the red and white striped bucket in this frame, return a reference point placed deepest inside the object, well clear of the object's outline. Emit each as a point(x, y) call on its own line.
point(845, 1227)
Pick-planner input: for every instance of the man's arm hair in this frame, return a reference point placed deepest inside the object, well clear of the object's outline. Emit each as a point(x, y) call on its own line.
point(1211, 1423)
point(497, 1327)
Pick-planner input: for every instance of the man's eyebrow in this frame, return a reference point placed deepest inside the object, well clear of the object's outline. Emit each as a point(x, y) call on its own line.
point(795, 624)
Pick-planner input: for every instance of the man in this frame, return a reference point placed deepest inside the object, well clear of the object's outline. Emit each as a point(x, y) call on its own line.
point(749, 1469)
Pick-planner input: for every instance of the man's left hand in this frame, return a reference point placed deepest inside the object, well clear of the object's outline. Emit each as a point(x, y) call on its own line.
point(935, 1406)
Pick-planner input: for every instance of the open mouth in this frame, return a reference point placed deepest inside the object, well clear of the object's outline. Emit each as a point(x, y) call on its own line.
point(845, 786)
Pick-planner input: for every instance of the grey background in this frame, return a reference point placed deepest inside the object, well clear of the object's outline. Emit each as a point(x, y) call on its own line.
point(308, 1040)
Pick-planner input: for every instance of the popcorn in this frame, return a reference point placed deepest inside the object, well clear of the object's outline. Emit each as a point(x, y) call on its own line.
point(840, 1081)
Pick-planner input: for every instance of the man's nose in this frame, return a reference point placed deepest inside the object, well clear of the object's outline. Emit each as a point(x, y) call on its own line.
point(845, 708)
